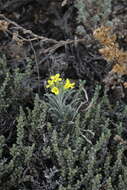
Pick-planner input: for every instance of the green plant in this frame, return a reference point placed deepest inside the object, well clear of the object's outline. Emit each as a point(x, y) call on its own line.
point(62, 142)
point(81, 165)
point(88, 154)
point(11, 173)
point(92, 12)
point(62, 108)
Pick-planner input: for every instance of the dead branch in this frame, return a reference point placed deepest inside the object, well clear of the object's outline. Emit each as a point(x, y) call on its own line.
point(34, 37)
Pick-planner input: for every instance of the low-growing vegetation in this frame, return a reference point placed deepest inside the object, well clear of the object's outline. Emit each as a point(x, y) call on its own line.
point(63, 90)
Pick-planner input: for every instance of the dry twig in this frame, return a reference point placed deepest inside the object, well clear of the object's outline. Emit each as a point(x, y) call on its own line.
point(34, 37)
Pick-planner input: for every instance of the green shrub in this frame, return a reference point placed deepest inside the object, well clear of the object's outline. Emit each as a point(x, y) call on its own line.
point(82, 165)
point(41, 153)
point(14, 90)
point(91, 13)
point(17, 169)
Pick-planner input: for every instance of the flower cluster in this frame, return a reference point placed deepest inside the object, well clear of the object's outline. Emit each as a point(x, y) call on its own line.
point(58, 85)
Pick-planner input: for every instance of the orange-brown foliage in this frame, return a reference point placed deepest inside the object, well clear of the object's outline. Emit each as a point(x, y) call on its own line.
point(110, 50)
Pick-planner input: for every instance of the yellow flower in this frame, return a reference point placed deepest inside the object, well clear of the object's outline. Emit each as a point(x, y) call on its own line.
point(50, 83)
point(56, 78)
point(68, 84)
point(55, 90)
